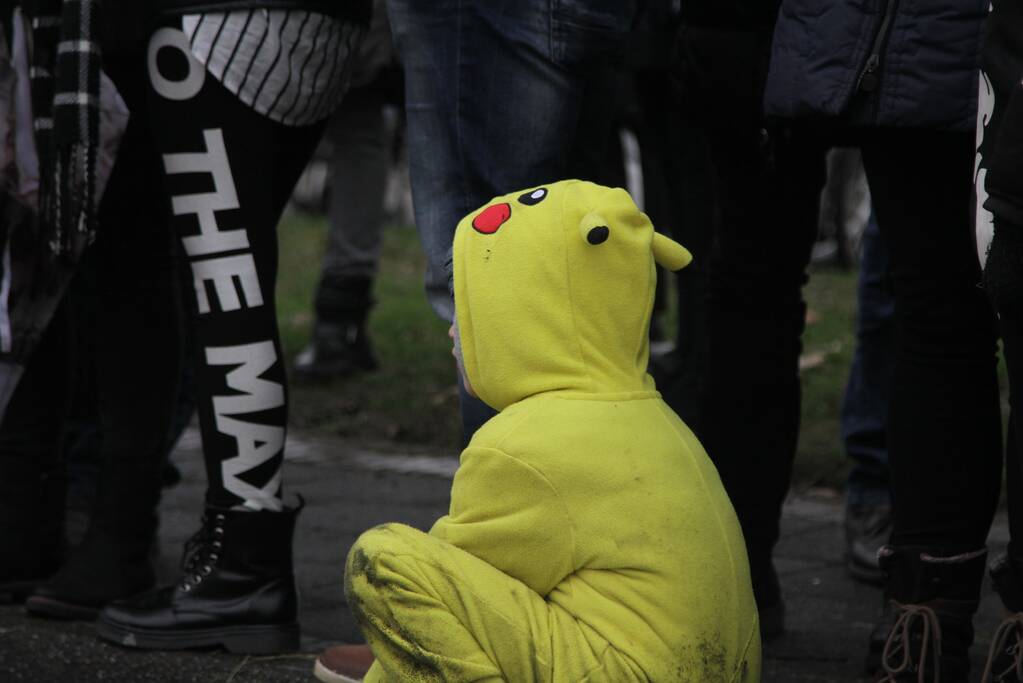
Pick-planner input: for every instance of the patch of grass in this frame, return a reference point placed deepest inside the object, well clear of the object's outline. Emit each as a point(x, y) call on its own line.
point(828, 344)
point(413, 397)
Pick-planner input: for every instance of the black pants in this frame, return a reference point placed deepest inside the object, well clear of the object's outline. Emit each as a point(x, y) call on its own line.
point(119, 323)
point(945, 435)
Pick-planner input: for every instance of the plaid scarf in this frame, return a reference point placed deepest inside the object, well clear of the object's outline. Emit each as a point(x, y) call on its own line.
point(65, 77)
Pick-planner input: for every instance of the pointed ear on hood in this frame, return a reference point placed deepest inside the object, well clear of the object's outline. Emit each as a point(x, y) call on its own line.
point(670, 254)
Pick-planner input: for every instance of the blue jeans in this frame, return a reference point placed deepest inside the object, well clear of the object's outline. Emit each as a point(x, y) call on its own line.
point(864, 415)
point(493, 94)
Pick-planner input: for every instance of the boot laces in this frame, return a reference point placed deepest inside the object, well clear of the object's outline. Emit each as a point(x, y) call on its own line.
point(913, 623)
point(202, 551)
point(1005, 658)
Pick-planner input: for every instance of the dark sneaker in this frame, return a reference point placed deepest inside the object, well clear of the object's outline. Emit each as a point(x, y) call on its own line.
point(343, 664)
point(867, 529)
point(335, 352)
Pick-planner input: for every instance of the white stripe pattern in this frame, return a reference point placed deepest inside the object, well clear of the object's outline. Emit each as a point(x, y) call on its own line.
point(6, 340)
point(65, 46)
point(290, 66)
point(77, 98)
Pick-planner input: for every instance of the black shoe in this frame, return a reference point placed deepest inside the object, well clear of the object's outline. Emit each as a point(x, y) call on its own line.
point(770, 606)
point(238, 591)
point(31, 526)
point(867, 529)
point(97, 572)
point(336, 351)
point(933, 597)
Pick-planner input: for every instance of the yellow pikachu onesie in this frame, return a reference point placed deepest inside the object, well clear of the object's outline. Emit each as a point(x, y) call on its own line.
point(589, 536)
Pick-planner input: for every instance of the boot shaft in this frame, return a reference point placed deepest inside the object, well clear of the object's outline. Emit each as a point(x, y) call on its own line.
point(934, 597)
point(247, 553)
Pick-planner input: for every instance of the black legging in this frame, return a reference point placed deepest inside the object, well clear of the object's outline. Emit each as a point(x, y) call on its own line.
point(229, 172)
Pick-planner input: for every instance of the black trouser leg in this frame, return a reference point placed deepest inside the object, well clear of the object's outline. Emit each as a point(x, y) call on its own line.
point(944, 431)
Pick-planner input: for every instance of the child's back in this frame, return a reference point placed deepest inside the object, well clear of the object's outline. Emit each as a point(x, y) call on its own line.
point(619, 555)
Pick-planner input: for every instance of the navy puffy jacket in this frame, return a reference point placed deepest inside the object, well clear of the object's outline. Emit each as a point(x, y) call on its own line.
point(902, 63)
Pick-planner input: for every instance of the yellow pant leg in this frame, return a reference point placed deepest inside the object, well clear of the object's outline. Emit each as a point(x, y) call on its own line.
point(433, 612)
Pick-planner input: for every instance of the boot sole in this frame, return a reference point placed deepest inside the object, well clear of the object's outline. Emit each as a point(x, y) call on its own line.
point(43, 606)
point(243, 639)
point(324, 674)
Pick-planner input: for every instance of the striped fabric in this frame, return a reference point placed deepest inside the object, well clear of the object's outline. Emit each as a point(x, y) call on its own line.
point(65, 75)
point(292, 66)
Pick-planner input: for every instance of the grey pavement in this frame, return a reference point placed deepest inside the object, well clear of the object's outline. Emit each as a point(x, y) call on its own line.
point(350, 488)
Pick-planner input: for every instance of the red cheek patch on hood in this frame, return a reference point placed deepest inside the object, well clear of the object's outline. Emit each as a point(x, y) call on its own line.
point(491, 218)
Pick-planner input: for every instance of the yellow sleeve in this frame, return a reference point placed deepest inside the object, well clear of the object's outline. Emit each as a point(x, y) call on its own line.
point(508, 514)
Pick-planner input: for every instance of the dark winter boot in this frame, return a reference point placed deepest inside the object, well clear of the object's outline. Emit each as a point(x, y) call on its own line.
point(1005, 658)
point(932, 598)
point(340, 345)
point(31, 526)
point(113, 561)
point(238, 590)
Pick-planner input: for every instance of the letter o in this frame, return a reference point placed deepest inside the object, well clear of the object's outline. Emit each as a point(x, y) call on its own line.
point(191, 84)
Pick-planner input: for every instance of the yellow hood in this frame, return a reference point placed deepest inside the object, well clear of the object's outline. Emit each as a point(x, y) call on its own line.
point(554, 288)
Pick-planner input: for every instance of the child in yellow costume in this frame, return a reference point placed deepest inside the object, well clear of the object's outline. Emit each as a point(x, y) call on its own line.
point(589, 537)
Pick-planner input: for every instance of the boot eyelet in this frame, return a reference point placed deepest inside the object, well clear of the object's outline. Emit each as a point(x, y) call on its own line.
point(206, 569)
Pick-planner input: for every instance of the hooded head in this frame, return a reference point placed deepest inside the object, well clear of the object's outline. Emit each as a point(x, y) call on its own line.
point(554, 287)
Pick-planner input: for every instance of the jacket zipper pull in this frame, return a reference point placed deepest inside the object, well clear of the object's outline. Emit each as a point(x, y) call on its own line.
point(869, 78)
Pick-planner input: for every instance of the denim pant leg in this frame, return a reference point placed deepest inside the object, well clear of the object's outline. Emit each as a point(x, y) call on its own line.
point(864, 416)
point(493, 94)
point(361, 148)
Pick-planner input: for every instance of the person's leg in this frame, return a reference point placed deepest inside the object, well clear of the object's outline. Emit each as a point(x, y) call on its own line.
point(433, 612)
point(132, 343)
point(944, 431)
point(1000, 237)
point(31, 476)
point(231, 155)
point(492, 100)
point(360, 159)
point(864, 416)
point(767, 185)
point(768, 222)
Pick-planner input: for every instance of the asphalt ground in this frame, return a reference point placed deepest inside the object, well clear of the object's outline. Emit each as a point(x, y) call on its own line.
point(351, 488)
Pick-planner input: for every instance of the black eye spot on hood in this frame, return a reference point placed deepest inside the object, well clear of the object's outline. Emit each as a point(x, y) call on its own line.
point(533, 197)
point(598, 235)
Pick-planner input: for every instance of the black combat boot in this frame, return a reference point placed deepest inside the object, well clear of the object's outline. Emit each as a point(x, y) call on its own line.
point(340, 345)
point(1005, 658)
point(932, 598)
point(238, 590)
